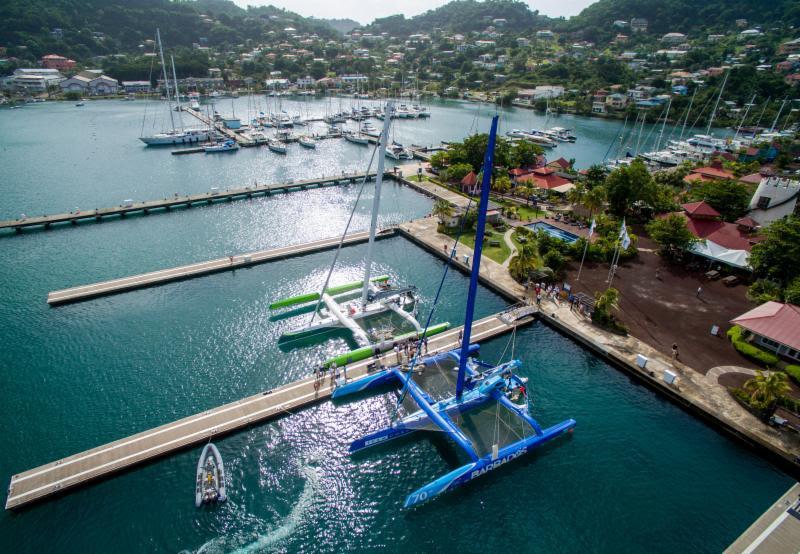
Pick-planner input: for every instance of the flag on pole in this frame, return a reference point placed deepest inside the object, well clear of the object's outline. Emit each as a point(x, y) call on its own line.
point(591, 229)
point(623, 230)
point(626, 240)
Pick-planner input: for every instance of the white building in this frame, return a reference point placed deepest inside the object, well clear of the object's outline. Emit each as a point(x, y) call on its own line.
point(306, 81)
point(35, 79)
point(89, 82)
point(774, 198)
point(673, 38)
point(136, 86)
point(545, 35)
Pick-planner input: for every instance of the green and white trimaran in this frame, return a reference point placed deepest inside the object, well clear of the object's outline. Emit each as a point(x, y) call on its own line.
point(377, 296)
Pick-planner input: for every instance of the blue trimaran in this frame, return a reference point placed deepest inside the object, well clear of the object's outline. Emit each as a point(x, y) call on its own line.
point(483, 417)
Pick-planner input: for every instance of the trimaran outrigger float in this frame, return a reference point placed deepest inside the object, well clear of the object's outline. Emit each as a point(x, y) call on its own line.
point(483, 417)
point(377, 295)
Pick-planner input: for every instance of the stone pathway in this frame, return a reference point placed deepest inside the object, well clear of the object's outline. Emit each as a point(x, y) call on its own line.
point(511, 245)
point(715, 373)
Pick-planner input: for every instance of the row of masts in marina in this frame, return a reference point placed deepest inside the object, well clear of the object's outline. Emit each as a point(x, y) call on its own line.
point(677, 147)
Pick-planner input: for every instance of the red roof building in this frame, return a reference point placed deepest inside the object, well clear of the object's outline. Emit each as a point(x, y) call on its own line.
point(54, 61)
point(544, 178)
point(469, 184)
point(700, 210)
point(714, 172)
point(775, 326)
point(560, 163)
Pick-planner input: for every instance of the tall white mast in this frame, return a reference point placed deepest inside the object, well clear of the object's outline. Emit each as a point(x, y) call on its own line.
point(177, 96)
point(166, 77)
point(376, 202)
point(716, 104)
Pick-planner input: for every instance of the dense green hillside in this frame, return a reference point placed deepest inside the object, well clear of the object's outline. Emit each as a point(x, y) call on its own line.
point(462, 16)
point(25, 26)
point(685, 16)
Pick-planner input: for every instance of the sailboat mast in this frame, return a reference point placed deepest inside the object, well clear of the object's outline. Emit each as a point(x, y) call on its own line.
point(664, 124)
point(177, 95)
point(688, 111)
point(777, 117)
point(376, 203)
point(488, 162)
point(166, 77)
point(716, 104)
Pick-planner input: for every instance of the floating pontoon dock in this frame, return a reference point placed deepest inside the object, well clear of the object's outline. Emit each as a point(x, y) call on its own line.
point(182, 201)
point(84, 292)
point(100, 462)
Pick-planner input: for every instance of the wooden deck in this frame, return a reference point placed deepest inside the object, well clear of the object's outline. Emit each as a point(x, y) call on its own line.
point(84, 292)
point(181, 201)
point(97, 463)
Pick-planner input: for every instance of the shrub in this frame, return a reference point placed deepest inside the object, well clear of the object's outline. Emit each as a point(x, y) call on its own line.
point(603, 319)
point(554, 260)
point(794, 372)
point(763, 290)
point(748, 350)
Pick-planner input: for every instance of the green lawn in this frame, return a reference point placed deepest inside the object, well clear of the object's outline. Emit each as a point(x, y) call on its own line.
point(496, 253)
point(526, 213)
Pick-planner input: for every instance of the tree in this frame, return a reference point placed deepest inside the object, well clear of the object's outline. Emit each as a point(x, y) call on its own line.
point(730, 198)
point(458, 171)
point(595, 176)
point(594, 199)
point(554, 260)
point(764, 290)
point(765, 389)
point(501, 184)
point(439, 160)
point(607, 301)
point(473, 148)
point(777, 257)
point(443, 210)
point(671, 234)
point(523, 153)
point(628, 185)
point(792, 293)
point(523, 262)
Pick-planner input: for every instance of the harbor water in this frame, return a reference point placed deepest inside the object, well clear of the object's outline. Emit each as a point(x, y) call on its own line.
point(638, 474)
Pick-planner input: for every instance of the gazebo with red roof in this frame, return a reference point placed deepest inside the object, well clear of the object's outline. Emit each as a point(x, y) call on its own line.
point(469, 184)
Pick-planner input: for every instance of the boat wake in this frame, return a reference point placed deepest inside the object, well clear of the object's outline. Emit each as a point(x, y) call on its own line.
point(281, 532)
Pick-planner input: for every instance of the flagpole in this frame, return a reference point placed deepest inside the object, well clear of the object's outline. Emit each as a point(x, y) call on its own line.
point(585, 249)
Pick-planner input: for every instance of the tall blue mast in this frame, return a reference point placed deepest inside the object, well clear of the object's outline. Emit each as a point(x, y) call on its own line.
point(488, 161)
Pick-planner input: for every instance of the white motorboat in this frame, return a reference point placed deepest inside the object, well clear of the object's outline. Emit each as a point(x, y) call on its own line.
point(277, 147)
point(210, 483)
point(307, 142)
point(350, 136)
point(224, 146)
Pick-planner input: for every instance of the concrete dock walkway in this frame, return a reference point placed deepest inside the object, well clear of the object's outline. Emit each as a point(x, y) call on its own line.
point(100, 462)
point(777, 531)
point(184, 201)
point(153, 278)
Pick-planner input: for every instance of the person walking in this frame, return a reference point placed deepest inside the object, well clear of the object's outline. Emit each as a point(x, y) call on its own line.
point(699, 292)
point(674, 352)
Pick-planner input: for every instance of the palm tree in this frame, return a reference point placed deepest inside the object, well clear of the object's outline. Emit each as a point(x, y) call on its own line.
point(575, 196)
point(594, 199)
point(443, 210)
point(607, 301)
point(523, 262)
point(765, 389)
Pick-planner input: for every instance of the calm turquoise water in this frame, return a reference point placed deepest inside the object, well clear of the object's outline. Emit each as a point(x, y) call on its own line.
point(638, 474)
